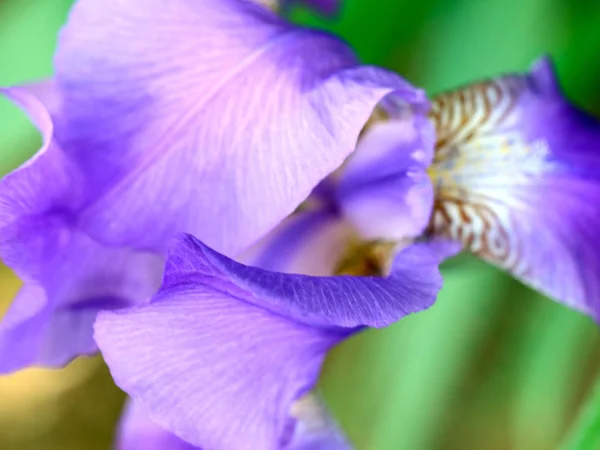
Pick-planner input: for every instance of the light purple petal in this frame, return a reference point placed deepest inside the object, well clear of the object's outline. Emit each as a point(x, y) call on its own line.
point(519, 184)
point(137, 431)
point(217, 117)
point(73, 274)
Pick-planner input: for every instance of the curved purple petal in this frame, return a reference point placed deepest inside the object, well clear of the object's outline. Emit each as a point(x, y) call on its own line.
point(68, 275)
point(345, 301)
point(217, 117)
point(519, 181)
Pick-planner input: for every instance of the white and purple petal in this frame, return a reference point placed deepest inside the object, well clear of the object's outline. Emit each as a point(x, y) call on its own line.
point(217, 117)
point(518, 182)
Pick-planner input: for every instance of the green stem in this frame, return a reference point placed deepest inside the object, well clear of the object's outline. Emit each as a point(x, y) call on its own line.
point(585, 434)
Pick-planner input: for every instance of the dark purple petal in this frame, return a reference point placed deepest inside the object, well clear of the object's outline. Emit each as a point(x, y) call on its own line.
point(519, 183)
point(137, 431)
point(73, 275)
point(216, 117)
point(345, 301)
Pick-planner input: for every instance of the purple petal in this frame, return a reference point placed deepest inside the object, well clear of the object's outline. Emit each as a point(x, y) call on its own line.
point(384, 190)
point(345, 301)
point(138, 431)
point(73, 275)
point(217, 117)
point(518, 184)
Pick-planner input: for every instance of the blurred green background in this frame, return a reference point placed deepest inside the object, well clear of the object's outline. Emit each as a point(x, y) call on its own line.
point(491, 366)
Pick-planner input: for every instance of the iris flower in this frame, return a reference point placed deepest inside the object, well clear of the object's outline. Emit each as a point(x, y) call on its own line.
point(286, 186)
point(216, 119)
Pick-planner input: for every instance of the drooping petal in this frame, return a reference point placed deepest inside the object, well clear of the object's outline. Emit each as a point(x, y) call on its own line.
point(223, 350)
point(346, 301)
point(384, 189)
point(138, 431)
point(68, 275)
point(517, 178)
point(217, 117)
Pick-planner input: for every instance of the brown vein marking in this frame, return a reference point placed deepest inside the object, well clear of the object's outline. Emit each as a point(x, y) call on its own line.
point(490, 223)
point(367, 259)
point(514, 87)
point(464, 98)
point(379, 115)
